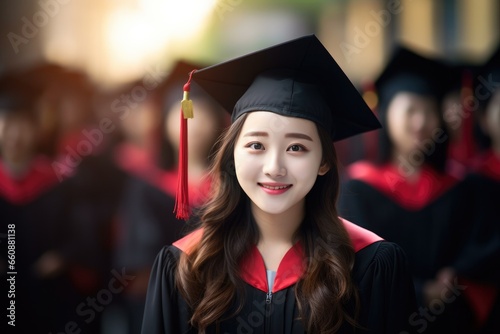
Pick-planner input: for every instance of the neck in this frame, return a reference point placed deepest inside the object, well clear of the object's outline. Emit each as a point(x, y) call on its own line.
point(278, 229)
point(17, 169)
point(404, 163)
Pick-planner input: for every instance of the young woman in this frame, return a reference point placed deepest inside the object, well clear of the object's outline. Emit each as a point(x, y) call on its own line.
point(408, 197)
point(271, 255)
point(31, 202)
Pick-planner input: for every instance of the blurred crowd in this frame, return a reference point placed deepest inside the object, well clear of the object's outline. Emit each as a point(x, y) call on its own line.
point(88, 177)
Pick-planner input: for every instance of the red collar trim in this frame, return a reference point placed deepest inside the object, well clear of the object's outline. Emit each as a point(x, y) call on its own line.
point(187, 243)
point(360, 237)
point(291, 268)
point(429, 186)
point(39, 178)
point(293, 264)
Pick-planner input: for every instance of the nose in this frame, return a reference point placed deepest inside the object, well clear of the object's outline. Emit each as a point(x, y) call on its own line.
point(274, 166)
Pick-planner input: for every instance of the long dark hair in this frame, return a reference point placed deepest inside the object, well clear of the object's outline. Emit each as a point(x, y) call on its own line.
point(208, 277)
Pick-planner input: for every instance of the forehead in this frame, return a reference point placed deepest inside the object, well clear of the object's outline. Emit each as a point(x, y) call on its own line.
point(413, 98)
point(275, 123)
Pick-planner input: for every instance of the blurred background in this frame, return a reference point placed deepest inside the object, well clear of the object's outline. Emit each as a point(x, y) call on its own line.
point(91, 192)
point(116, 41)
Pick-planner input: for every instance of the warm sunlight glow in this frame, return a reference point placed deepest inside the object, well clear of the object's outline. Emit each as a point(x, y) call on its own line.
point(136, 36)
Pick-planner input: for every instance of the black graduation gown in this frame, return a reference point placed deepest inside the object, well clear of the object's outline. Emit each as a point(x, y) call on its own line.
point(429, 219)
point(144, 223)
point(479, 262)
point(31, 207)
point(380, 272)
point(147, 223)
point(91, 198)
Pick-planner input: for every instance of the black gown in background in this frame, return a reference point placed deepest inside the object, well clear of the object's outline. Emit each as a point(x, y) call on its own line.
point(380, 272)
point(31, 207)
point(479, 262)
point(144, 223)
point(428, 219)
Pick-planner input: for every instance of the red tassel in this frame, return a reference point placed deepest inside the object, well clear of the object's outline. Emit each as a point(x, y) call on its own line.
point(182, 208)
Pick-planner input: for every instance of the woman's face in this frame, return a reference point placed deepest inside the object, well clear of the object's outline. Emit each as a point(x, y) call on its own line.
point(412, 121)
point(139, 122)
point(19, 140)
point(277, 160)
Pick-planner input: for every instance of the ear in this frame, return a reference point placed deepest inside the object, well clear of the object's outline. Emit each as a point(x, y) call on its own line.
point(323, 169)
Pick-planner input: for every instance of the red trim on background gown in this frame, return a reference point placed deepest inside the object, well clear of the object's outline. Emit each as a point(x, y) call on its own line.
point(39, 178)
point(428, 186)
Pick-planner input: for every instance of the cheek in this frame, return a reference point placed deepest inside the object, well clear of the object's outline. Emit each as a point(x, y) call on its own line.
point(397, 124)
point(305, 170)
point(245, 165)
point(432, 123)
point(172, 129)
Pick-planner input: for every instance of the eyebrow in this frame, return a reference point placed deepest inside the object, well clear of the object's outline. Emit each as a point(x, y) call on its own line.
point(288, 135)
point(256, 134)
point(298, 136)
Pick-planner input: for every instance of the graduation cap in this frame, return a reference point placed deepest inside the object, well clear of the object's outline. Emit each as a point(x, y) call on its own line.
point(168, 89)
point(298, 78)
point(408, 71)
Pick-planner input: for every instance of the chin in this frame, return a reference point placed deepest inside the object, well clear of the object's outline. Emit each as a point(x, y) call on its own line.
point(271, 209)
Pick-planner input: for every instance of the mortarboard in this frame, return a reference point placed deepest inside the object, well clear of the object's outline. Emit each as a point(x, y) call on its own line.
point(408, 71)
point(298, 78)
point(175, 78)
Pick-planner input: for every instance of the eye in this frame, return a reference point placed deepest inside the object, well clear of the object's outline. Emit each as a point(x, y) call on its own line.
point(255, 146)
point(296, 148)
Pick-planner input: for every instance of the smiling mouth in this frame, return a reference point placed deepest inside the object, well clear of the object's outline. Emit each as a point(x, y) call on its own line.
point(274, 187)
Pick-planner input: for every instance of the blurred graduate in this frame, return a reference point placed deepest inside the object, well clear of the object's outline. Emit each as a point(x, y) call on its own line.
point(408, 197)
point(479, 263)
point(31, 200)
point(145, 221)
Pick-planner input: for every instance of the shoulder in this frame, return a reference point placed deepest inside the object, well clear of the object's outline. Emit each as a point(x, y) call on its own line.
point(167, 258)
point(360, 237)
point(381, 258)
